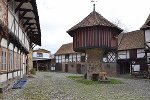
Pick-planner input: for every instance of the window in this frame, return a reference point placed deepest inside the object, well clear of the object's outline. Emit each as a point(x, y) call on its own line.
point(39, 54)
point(3, 60)
point(82, 58)
point(19, 61)
point(67, 56)
point(10, 61)
point(15, 63)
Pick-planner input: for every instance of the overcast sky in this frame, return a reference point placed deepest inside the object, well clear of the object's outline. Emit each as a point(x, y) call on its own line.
point(58, 16)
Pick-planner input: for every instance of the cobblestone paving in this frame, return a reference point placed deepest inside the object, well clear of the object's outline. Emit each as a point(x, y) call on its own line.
point(55, 86)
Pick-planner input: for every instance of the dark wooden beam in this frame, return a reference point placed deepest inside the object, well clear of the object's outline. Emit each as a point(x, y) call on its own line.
point(27, 21)
point(28, 18)
point(28, 28)
point(23, 9)
point(21, 16)
point(21, 0)
point(18, 7)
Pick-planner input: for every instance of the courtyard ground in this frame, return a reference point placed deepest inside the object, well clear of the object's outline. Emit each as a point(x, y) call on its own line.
point(56, 86)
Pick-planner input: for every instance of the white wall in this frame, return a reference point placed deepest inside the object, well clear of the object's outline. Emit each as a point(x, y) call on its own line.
point(136, 67)
point(147, 35)
point(3, 77)
point(4, 43)
point(11, 46)
point(121, 54)
point(9, 75)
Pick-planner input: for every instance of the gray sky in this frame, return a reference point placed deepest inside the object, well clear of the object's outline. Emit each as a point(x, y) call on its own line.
point(58, 16)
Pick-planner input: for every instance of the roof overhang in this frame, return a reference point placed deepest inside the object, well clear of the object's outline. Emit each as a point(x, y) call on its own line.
point(29, 16)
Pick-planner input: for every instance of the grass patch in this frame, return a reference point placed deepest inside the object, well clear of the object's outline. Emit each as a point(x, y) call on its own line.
point(46, 76)
point(90, 82)
point(73, 77)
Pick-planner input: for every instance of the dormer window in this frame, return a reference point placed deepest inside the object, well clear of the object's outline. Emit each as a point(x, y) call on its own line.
point(39, 54)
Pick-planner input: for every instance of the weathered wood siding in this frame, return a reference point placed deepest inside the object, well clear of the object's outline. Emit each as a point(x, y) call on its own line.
point(95, 36)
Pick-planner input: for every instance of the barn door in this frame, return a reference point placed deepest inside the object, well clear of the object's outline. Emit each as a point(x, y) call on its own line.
point(66, 67)
point(79, 68)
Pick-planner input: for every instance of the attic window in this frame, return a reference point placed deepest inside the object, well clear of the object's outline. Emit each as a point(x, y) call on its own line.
point(39, 54)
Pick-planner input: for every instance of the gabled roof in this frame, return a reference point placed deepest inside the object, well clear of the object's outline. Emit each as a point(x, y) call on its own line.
point(65, 49)
point(41, 51)
point(94, 19)
point(131, 40)
point(146, 23)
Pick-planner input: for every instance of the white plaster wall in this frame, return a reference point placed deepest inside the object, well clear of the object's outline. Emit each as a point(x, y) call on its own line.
point(34, 54)
point(63, 56)
point(15, 50)
point(16, 29)
point(56, 61)
point(147, 35)
point(121, 52)
point(4, 43)
point(11, 46)
point(148, 45)
point(140, 55)
point(104, 59)
point(74, 55)
point(10, 21)
point(121, 56)
point(19, 73)
point(140, 50)
point(128, 54)
point(46, 55)
point(3, 77)
point(20, 34)
point(136, 67)
point(19, 51)
point(9, 75)
point(148, 54)
point(15, 74)
point(70, 56)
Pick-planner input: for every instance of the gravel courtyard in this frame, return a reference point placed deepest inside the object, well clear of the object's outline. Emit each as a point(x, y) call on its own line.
point(56, 86)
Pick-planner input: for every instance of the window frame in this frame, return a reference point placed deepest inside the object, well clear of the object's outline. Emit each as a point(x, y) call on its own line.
point(4, 60)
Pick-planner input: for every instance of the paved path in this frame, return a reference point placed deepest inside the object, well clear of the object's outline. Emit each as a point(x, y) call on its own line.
point(55, 86)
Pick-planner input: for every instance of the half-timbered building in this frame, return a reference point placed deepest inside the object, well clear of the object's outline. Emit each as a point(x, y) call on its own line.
point(67, 60)
point(131, 52)
point(19, 33)
point(42, 60)
point(97, 37)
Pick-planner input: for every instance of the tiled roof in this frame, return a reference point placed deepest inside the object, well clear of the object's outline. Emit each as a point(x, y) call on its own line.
point(65, 49)
point(146, 22)
point(131, 40)
point(41, 50)
point(94, 19)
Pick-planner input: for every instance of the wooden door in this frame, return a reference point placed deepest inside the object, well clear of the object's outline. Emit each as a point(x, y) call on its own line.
point(79, 68)
point(66, 67)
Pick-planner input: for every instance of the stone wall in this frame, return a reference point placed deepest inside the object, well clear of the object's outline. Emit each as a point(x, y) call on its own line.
point(94, 61)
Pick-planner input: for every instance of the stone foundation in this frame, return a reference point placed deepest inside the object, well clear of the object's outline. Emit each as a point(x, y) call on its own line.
point(94, 61)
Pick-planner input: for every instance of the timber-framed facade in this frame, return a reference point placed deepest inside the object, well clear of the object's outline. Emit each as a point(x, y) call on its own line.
point(19, 33)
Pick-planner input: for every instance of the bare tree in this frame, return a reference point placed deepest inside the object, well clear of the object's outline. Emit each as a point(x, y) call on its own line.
point(121, 25)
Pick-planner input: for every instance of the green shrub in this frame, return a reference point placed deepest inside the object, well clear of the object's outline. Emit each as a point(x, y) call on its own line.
point(33, 71)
